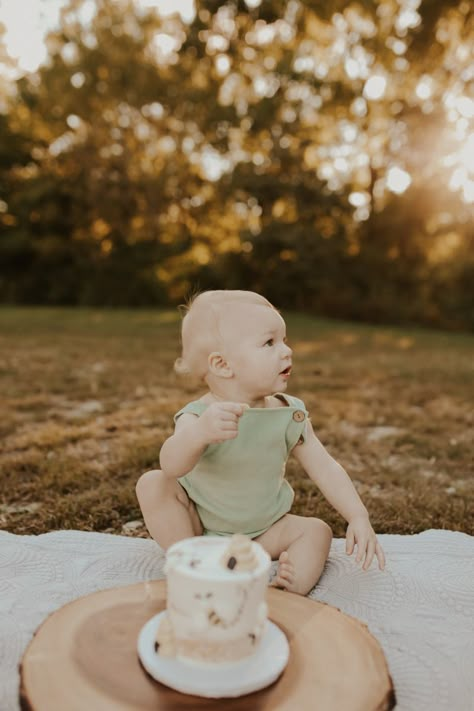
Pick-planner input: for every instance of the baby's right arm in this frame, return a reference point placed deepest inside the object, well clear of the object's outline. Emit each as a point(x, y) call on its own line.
point(181, 452)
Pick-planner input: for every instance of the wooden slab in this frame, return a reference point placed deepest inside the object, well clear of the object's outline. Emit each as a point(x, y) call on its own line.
point(83, 658)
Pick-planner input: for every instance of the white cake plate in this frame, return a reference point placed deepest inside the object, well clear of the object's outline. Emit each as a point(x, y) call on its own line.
point(226, 680)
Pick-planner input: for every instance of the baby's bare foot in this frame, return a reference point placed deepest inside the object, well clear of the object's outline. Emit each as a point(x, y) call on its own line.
point(285, 576)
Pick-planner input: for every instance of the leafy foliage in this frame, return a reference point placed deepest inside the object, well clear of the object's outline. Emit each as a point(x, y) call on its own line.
point(151, 156)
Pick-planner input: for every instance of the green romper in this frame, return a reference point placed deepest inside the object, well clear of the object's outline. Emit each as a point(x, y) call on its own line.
point(239, 486)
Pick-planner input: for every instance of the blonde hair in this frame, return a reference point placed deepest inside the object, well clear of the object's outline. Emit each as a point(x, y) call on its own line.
point(200, 332)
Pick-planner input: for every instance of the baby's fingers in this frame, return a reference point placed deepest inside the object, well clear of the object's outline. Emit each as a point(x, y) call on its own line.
point(226, 416)
point(226, 433)
point(235, 408)
point(374, 548)
point(350, 541)
point(361, 549)
point(380, 555)
point(369, 556)
point(228, 425)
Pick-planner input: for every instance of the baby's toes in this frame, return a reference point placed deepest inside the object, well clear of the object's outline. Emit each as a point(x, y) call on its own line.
point(277, 582)
point(281, 582)
point(286, 572)
point(285, 569)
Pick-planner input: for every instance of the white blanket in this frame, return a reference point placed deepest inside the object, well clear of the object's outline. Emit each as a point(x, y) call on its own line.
point(421, 608)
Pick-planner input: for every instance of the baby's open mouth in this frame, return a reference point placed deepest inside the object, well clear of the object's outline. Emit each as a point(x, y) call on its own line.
point(287, 371)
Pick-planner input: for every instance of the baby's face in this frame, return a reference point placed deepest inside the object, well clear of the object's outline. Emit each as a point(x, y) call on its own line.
point(253, 340)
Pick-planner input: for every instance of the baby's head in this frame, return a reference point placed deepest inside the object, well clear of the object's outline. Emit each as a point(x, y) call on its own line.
point(205, 328)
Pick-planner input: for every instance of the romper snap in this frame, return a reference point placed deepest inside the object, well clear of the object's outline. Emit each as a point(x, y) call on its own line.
point(298, 416)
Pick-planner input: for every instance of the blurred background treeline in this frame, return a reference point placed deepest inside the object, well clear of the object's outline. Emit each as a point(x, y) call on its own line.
point(319, 152)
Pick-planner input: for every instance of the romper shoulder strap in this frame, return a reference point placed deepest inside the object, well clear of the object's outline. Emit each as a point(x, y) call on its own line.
point(196, 407)
point(291, 401)
point(296, 430)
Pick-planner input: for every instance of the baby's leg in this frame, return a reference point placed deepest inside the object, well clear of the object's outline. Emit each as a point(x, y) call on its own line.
point(302, 546)
point(168, 512)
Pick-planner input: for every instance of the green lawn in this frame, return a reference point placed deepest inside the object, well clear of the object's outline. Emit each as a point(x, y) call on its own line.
point(87, 398)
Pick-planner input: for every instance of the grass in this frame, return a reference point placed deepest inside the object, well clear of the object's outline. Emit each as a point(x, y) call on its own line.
point(88, 396)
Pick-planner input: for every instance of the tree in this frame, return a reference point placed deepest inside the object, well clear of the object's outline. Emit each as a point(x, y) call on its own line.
point(251, 146)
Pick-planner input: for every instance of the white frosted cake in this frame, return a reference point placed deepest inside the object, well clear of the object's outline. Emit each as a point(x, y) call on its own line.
point(216, 610)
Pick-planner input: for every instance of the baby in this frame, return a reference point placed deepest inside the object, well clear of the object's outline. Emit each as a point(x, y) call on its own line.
point(223, 469)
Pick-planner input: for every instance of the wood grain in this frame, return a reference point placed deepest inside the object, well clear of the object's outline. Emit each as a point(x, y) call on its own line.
point(83, 658)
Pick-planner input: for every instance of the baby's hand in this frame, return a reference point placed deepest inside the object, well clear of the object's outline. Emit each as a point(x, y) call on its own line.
point(219, 421)
point(361, 532)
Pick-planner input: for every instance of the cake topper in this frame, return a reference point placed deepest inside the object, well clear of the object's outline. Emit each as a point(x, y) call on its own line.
point(239, 554)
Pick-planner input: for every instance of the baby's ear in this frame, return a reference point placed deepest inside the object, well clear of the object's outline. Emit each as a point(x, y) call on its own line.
point(219, 366)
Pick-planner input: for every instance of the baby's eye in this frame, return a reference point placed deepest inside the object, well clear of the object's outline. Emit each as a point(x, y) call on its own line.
point(270, 342)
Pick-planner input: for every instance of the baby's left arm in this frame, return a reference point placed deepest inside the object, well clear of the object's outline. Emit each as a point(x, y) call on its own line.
point(337, 487)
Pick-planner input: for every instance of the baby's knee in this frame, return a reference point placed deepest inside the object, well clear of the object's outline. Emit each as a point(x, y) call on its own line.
point(319, 530)
point(149, 485)
point(154, 487)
